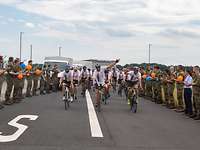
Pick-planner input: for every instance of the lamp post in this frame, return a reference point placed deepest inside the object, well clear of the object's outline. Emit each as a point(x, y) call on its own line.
point(20, 46)
point(59, 50)
point(31, 52)
point(150, 53)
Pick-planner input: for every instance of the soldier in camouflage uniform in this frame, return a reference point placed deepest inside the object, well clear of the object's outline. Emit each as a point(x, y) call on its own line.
point(157, 85)
point(180, 72)
point(164, 81)
point(2, 71)
point(29, 78)
point(9, 80)
point(35, 81)
point(148, 83)
point(17, 93)
point(22, 82)
point(196, 93)
point(42, 82)
point(48, 79)
point(55, 81)
point(171, 86)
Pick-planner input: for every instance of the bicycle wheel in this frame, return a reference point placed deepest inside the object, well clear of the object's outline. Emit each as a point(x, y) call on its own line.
point(66, 101)
point(65, 104)
point(134, 105)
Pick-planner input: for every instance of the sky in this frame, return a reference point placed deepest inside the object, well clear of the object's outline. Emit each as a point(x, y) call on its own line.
point(103, 29)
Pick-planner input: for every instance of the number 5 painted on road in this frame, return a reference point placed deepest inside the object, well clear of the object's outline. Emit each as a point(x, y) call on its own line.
point(21, 128)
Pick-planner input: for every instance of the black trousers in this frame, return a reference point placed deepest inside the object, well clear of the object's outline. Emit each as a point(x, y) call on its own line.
point(188, 100)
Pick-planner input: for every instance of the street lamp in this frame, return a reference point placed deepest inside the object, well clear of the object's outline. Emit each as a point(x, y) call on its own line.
point(150, 53)
point(31, 52)
point(20, 46)
point(59, 50)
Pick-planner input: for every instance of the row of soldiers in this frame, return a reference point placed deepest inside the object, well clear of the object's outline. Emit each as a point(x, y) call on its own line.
point(38, 79)
point(166, 87)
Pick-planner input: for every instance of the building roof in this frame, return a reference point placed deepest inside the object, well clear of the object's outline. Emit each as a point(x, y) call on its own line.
point(100, 61)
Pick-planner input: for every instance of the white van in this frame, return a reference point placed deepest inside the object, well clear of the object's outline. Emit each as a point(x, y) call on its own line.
point(61, 62)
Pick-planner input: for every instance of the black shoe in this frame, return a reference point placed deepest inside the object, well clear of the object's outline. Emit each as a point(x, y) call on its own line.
point(8, 102)
point(1, 106)
point(197, 117)
point(193, 116)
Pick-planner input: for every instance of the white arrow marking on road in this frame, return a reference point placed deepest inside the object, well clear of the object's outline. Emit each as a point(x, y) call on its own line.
point(94, 123)
point(21, 128)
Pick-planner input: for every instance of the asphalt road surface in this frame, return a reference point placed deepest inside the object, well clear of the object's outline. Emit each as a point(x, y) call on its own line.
point(154, 127)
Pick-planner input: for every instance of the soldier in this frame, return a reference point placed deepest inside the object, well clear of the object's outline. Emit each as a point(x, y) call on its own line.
point(9, 80)
point(148, 83)
point(22, 82)
point(164, 80)
point(17, 77)
point(29, 78)
point(42, 81)
point(47, 79)
point(2, 71)
point(179, 86)
point(171, 86)
point(35, 81)
point(157, 84)
point(55, 80)
point(196, 93)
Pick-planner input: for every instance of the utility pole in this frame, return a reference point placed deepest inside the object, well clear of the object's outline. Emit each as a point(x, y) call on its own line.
point(31, 52)
point(20, 46)
point(59, 50)
point(150, 53)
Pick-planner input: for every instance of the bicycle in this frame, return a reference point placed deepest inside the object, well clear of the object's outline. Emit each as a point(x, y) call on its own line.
point(67, 97)
point(132, 94)
point(99, 95)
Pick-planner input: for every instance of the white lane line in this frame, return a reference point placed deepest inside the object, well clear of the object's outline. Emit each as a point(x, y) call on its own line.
point(94, 123)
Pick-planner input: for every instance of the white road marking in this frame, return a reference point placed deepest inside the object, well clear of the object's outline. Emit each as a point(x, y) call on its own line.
point(21, 128)
point(94, 123)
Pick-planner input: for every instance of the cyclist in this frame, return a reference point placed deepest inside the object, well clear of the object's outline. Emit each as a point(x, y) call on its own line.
point(66, 80)
point(84, 78)
point(134, 83)
point(89, 84)
point(121, 80)
point(76, 78)
point(99, 79)
point(114, 75)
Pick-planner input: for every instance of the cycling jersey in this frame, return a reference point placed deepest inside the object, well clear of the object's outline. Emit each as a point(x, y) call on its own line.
point(76, 75)
point(84, 74)
point(134, 79)
point(99, 77)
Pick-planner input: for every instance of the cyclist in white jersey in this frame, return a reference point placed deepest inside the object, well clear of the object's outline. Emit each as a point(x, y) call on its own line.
point(76, 79)
point(66, 79)
point(99, 79)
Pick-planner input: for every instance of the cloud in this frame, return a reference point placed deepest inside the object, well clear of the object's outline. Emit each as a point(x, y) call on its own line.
point(115, 24)
point(29, 25)
point(180, 33)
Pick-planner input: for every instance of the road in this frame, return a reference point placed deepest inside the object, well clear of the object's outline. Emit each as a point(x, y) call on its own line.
point(154, 127)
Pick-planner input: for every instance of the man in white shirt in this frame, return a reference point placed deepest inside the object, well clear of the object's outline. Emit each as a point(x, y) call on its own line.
point(188, 93)
point(66, 80)
point(99, 79)
point(76, 79)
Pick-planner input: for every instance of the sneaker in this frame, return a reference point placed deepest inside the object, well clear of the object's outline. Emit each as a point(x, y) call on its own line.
point(71, 99)
point(129, 102)
point(1, 106)
point(197, 117)
point(63, 98)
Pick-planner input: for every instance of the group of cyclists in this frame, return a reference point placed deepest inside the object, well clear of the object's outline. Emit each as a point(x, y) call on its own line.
point(102, 81)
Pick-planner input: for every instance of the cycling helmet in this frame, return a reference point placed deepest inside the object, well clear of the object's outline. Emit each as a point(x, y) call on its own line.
point(97, 66)
point(67, 68)
point(84, 67)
